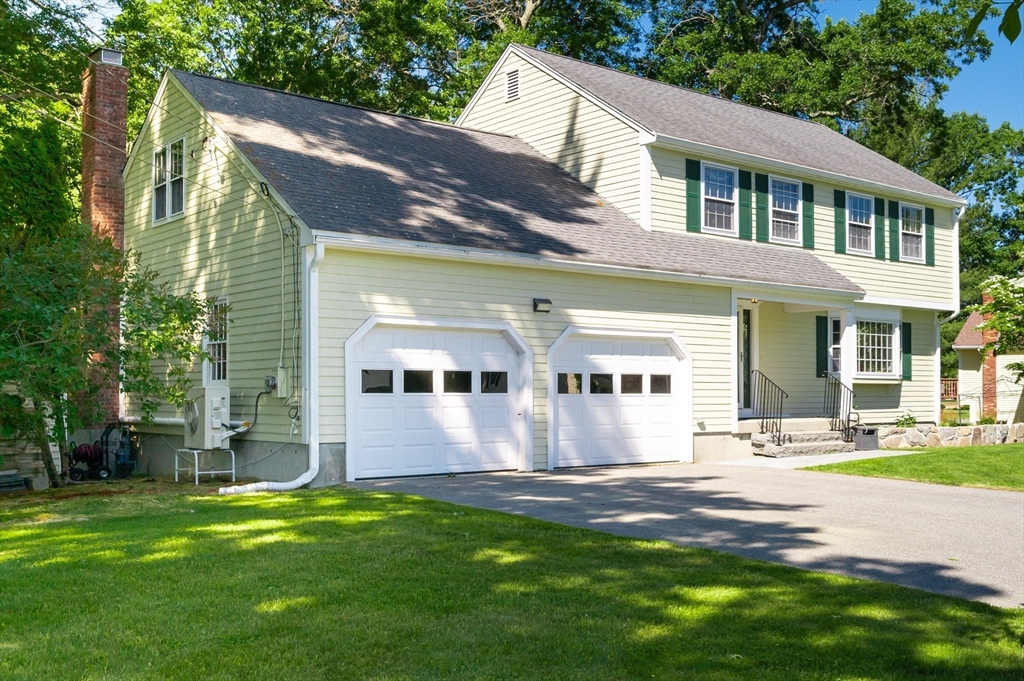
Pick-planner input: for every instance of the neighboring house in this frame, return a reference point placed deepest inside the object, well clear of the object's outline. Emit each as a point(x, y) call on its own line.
point(588, 268)
point(985, 384)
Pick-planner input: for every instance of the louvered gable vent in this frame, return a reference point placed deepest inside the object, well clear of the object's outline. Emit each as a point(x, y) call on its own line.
point(512, 84)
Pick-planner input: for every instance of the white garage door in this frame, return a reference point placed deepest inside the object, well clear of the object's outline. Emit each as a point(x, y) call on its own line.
point(434, 401)
point(619, 400)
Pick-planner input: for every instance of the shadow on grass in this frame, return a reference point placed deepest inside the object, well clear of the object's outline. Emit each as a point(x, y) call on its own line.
point(348, 584)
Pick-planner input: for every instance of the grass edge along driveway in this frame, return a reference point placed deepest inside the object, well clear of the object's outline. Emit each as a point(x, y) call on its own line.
point(151, 583)
point(988, 466)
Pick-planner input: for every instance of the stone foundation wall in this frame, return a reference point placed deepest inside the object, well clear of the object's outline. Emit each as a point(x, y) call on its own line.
point(890, 437)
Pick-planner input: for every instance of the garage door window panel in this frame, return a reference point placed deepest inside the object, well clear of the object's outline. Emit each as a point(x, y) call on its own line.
point(570, 384)
point(602, 384)
point(458, 382)
point(661, 384)
point(378, 381)
point(494, 382)
point(632, 384)
point(418, 382)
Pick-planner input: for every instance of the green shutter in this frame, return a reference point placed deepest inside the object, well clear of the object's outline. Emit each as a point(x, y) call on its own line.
point(761, 185)
point(929, 236)
point(879, 228)
point(692, 195)
point(808, 191)
point(905, 346)
point(839, 197)
point(821, 346)
point(894, 231)
point(746, 223)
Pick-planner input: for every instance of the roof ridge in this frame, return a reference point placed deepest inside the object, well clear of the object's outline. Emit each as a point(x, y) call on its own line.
point(669, 85)
point(359, 107)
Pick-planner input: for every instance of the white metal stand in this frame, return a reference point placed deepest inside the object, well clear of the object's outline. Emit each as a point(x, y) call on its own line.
point(192, 457)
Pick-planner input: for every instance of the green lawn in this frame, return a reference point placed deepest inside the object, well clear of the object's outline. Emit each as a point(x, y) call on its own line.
point(996, 466)
point(343, 584)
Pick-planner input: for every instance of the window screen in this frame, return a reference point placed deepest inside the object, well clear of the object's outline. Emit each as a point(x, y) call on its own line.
point(911, 233)
point(785, 210)
point(861, 216)
point(719, 198)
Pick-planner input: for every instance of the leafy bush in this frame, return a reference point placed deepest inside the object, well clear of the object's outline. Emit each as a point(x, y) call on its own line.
point(906, 419)
point(987, 421)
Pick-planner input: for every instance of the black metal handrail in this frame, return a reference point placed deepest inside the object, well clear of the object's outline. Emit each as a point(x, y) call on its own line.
point(838, 406)
point(766, 404)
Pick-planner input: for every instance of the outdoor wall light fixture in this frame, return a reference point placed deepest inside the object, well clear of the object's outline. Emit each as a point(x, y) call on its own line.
point(541, 305)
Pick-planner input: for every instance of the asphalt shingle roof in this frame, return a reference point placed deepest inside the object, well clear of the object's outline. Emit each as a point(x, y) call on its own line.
point(696, 117)
point(356, 171)
point(970, 335)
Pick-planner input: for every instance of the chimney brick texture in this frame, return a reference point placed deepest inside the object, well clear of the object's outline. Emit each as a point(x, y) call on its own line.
point(989, 385)
point(104, 144)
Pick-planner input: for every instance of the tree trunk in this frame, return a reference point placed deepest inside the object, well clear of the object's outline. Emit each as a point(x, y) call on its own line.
point(43, 442)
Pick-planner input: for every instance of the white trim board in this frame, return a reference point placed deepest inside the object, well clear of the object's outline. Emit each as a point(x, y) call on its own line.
point(793, 293)
point(507, 330)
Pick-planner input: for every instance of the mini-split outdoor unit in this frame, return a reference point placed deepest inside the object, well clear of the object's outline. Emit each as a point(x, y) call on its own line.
point(208, 419)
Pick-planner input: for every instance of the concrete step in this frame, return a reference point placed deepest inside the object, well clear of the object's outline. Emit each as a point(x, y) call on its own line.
point(789, 425)
point(761, 439)
point(804, 449)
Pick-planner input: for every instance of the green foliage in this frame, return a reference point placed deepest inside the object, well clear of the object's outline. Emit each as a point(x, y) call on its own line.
point(772, 54)
point(987, 421)
point(906, 419)
point(60, 338)
point(1005, 316)
point(1009, 26)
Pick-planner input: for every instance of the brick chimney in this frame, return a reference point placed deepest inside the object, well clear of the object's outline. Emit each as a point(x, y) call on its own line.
point(989, 406)
point(104, 144)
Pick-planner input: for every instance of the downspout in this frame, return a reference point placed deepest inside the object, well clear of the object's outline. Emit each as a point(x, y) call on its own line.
point(314, 255)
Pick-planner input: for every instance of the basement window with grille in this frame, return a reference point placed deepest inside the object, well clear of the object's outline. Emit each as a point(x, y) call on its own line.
point(169, 181)
point(512, 85)
point(216, 343)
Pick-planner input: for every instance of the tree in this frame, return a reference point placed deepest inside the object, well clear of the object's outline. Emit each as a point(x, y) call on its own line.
point(1005, 316)
point(773, 54)
point(60, 340)
point(1009, 26)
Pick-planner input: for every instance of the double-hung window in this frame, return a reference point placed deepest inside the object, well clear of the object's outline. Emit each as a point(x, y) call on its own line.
point(876, 345)
point(785, 210)
point(217, 343)
point(169, 181)
point(719, 199)
point(860, 222)
point(911, 233)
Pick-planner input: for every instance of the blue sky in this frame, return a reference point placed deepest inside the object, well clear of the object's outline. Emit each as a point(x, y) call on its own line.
point(993, 88)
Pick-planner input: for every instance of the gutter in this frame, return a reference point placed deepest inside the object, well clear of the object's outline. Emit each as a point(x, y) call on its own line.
point(314, 256)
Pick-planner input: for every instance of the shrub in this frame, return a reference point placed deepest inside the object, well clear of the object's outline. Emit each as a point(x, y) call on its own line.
point(987, 421)
point(906, 420)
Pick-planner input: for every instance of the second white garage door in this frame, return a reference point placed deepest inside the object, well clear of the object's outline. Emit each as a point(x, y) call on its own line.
point(435, 401)
point(619, 400)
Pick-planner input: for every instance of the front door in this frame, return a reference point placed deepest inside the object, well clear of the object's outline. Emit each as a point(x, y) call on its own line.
point(743, 358)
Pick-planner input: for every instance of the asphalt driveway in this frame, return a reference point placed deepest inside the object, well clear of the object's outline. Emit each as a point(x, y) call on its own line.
point(950, 540)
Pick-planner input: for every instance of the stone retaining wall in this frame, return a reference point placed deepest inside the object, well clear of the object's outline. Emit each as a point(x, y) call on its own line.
point(890, 437)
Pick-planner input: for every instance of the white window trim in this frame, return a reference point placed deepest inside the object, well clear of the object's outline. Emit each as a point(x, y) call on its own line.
point(870, 252)
point(799, 241)
point(897, 352)
point(905, 258)
point(184, 192)
point(519, 84)
point(207, 381)
point(735, 232)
